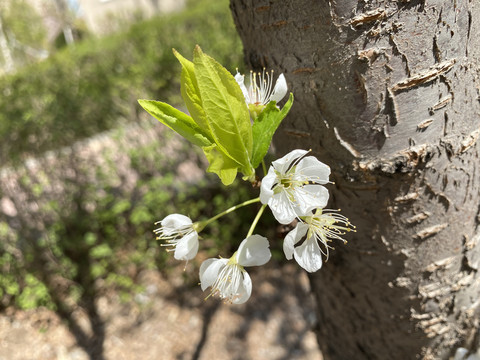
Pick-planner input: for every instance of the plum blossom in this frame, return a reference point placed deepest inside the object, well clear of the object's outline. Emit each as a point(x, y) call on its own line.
point(260, 92)
point(227, 277)
point(293, 186)
point(180, 234)
point(318, 230)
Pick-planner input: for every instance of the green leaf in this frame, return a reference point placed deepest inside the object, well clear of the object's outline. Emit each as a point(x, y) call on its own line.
point(101, 251)
point(221, 164)
point(265, 126)
point(178, 121)
point(227, 114)
point(191, 93)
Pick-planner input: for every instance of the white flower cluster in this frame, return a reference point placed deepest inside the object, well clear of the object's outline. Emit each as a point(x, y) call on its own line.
point(293, 190)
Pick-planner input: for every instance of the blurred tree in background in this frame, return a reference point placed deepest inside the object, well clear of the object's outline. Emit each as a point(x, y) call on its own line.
point(22, 35)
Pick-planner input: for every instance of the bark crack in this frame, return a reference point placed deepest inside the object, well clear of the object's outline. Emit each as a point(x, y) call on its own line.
point(430, 231)
point(424, 124)
point(396, 49)
point(468, 31)
point(346, 145)
point(368, 17)
point(441, 104)
point(418, 218)
point(436, 51)
point(425, 76)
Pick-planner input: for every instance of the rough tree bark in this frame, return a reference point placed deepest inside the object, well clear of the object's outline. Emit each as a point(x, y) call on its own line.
point(387, 94)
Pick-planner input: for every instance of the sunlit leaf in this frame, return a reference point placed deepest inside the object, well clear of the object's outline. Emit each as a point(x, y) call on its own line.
point(221, 164)
point(177, 121)
point(265, 126)
point(191, 93)
point(227, 114)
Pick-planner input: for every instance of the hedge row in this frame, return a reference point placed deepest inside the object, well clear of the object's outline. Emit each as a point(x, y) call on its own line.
point(93, 86)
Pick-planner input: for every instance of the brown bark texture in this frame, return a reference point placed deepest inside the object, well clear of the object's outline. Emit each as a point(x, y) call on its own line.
point(387, 94)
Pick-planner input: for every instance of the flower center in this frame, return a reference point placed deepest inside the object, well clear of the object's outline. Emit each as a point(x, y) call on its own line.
point(172, 236)
point(325, 227)
point(228, 281)
point(260, 90)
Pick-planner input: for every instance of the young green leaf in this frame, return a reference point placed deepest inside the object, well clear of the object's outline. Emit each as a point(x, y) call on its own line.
point(265, 126)
point(191, 93)
point(177, 121)
point(227, 114)
point(221, 164)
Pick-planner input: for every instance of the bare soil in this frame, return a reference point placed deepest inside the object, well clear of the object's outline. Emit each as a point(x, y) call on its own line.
point(171, 320)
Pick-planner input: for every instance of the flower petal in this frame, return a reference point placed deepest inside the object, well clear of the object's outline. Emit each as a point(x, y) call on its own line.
point(308, 255)
point(187, 247)
point(314, 169)
point(292, 238)
point(283, 164)
point(280, 89)
point(244, 290)
point(282, 208)
point(175, 221)
point(253, 251)
point(266, 191)
point(209, 271)
point(240, 79)
point(310, 197)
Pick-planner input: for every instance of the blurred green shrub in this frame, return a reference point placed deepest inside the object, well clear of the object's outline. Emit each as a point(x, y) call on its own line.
point(93, 86)
point(25, 31)
point(86, 228)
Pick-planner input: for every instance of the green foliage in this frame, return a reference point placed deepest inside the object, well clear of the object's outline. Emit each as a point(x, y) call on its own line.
point(227, 114)
point(24, 28)
point(96, 234)
point(221, 164)
point(265, 126)
point(89, 88)
point(220, 121)
point(34, 293)
point(191, 93)
point(178, 121)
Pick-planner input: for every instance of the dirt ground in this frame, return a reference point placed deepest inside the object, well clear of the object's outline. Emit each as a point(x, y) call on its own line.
point(171, 320)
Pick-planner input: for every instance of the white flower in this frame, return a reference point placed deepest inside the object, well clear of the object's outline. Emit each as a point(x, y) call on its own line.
point(227, 277)
point(318, 230)
point(259, 92)
point(293, 186)
point(180, 234)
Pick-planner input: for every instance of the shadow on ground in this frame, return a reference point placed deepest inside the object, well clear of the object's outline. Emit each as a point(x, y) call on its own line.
point(171, 320)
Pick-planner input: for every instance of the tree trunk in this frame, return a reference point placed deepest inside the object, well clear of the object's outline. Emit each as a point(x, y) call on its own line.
point(387, 94)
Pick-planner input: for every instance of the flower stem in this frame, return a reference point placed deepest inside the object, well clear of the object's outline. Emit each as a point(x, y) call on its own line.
point(255, 221)
point(200, 225)
point(264, 168)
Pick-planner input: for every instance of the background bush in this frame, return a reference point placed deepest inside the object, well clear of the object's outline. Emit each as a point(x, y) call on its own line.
point(94, 85)
point(73, 234)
